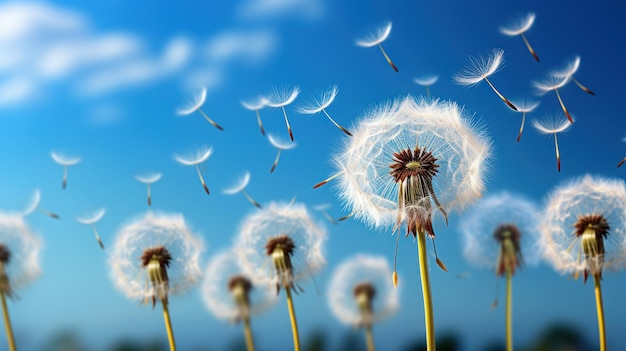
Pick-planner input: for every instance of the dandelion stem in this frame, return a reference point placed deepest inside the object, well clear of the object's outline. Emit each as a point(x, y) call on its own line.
point(521, 127)
point(292, 317)
point(210, 120)
point(530, 48)
point(369, 337)
point(387, 58)
point(287, 122)
point(206, 188)
point(509, 311)
point(584, 88)
point(600, 310)
point(168, 325)
point(276, 160)
point(258, 119)
point(428, 303)
point(506, 101)
point(247, 331)
point(336, 124)
point(569, 117)
point(7, 323)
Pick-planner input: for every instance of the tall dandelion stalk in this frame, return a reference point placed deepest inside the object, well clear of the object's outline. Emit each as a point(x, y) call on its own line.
point(408, 163)
point(279, 246)
point(160, 249)
point(583, 231)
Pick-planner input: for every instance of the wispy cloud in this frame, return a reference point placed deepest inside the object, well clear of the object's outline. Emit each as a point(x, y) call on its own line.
point(251, 47)
point(257, 9)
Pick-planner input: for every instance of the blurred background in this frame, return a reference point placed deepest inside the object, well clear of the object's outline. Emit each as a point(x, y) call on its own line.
point(103, 81)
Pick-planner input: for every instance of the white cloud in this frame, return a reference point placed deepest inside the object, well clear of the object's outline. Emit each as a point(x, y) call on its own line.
point(15, 90)
point(20, 20)
point(249, 46)
point(105, 114)
point(308, 9)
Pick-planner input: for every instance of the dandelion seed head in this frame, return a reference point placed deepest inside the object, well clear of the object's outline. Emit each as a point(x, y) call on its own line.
point(239, 185)
point(426, 80)
point(363, 272)
point(283, 96)
point(524, 105)
point(64, 160)
point(551, 125)
point(149, 178)
point(147, 232)
point(316, 106)
point(201, 155)
point(33, 204)
point(256, 104)
point(22, 248)
point(265, 226)
point(550, 83)
point(461, 149)
point(279, 143)
point(568, 205)
point(194, 105)
point(92, 217)
point(375, 38)
point(568, 69)
point(480, 67)
point(478, 225)
point(217, 284)
point(519, 25)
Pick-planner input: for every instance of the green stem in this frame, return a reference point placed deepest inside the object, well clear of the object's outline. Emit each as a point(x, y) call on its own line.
point(248, 334)
point(294, 323)
point(428, 303)
point(168, 325)
point(369, 337)
point(509, 311)
point(7, 323)
point(600, 310)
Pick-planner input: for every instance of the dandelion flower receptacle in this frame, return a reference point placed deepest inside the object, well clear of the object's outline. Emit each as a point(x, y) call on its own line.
point(154, 256)
point(583, 231)
point(280, 246)
point(196, 105)
point(64, 161)
point(376, 39)
point(520, 26)
point(410, 162)
point(148, 180)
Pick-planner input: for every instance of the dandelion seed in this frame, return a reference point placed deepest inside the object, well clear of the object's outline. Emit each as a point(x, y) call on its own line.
point(231, 296)
point(520, 26)
point(554, 83)
point(426, 82)
point(240, 187)
point(64, 161)
point(320, 105)
point(552, 126)
point(280, 246)
point(569, 70)
point(524, 107)
point(376, 39)
point(280, 145)
point(34, 206)
point(201, 155)
point(281, 98)
point(408, 162)
point(496, 232)
point(322, 208)
point(583, 230)
point(154, 256)
point(91, 220)
point(256, 106)
point(479, 69)
point(360, 294)
point(19, 262)
point(197, 106)
point(148, 179)
point(621, 162)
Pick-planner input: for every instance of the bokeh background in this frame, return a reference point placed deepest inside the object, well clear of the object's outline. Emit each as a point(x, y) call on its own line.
point(103, 80)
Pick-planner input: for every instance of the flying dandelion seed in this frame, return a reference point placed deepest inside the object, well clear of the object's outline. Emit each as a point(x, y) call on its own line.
point(282, 97)
point(426, 82)
point(149, 179)
point(376, 39)
point(281, 246)
point(553, 126)
point(554, 83)
point(240, 187)
point(408, 161)
point(64, 161)
point(479, 69)
point(501, 233)
point(231, 296)
point(197, 106)
point(360, 293)
point(320, 105)
point(20, 250)
point(34, 206)
point(524, 107)
point(569, 70)
point(256, 106)
point(154, 256)
point(323, 208)
point(621, 162)
point(520, 26)
point(91, 220)
point(280, 145)
point(201, 155)
point(583, 230)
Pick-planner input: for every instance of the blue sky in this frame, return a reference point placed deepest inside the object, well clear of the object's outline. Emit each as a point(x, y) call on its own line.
point(102, 80)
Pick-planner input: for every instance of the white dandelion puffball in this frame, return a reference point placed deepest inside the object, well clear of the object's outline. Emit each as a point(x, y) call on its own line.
point(587, 195)
point(478, 225)
point(374, 270)
point(215, 288)
point(278, 219)
point(150, 230)
point(366, 186)
point(24, 248)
